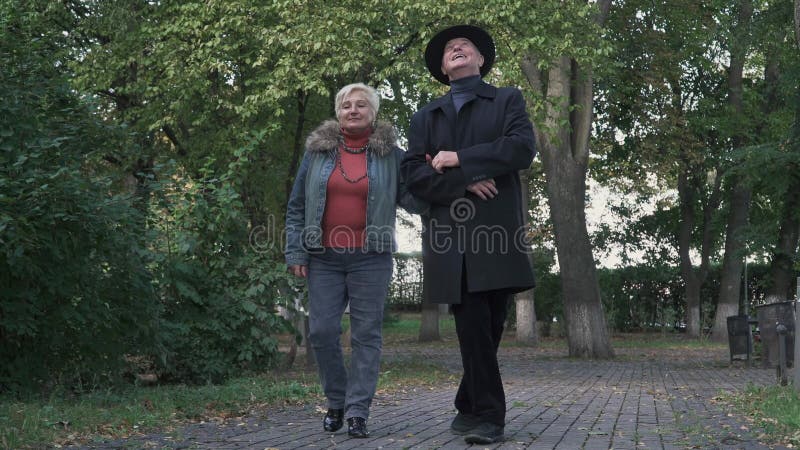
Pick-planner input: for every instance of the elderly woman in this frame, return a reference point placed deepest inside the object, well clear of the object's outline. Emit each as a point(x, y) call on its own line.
point(340, 224)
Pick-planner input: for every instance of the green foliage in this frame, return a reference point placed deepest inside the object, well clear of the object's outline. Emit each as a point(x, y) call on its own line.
point(147, 148)
point(76, 295)
point(647, 296)
point(220, 294)
point(667, 112)
point(641, 297)
point(91, 273)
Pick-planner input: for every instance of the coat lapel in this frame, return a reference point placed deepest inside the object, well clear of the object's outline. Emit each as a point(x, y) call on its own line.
point(445, 103)
point(486, 90)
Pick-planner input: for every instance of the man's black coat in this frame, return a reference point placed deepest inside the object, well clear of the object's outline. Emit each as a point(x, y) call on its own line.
point(494, 139)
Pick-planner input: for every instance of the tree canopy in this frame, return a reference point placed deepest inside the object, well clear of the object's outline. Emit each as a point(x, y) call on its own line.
point(148, 149)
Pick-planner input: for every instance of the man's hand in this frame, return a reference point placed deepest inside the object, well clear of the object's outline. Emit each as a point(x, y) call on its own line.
point(485, 189)
point(298, 270)
point(445, 159)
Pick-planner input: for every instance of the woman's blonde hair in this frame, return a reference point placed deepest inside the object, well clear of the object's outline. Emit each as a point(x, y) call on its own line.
point(373, 98)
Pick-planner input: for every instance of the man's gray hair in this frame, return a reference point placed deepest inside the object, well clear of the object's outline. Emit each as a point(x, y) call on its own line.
point(372, 97)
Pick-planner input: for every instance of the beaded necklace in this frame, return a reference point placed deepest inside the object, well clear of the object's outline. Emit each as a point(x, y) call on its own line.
point(355, 151)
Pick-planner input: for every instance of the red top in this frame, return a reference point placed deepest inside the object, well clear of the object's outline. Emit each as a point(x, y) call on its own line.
point(345, 216)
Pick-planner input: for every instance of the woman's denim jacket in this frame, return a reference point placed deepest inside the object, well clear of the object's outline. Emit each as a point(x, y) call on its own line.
point(386, 190)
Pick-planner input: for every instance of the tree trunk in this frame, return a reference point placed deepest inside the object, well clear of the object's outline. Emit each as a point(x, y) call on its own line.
point(797, 21)
point(565, 154)
point(526, 318)
point(693, 308)
point(525, 307)
point(781, 268)
point(690, 278)
point(691, 283)
point(730, 282)
point(732, 265)
point(695, 277)
point(429, 323)
point(587, 332)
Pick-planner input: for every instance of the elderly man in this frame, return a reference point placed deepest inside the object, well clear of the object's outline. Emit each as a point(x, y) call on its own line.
point(465, 151)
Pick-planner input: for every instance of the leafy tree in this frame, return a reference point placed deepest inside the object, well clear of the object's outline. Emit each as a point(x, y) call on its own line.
point(665, 125)
point(665, 108)
point(202, 82)
point(760, 121)
point(560, 72)
point(76, 292)
point(738, 44)
point(784, 254)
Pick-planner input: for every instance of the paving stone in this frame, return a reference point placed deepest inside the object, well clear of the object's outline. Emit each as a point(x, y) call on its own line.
point(553, 403)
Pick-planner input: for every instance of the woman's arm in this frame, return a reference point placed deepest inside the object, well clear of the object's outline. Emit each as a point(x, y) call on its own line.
point(295, 253)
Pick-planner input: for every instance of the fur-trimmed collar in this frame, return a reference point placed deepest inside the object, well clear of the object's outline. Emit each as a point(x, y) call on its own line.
point(328, 136)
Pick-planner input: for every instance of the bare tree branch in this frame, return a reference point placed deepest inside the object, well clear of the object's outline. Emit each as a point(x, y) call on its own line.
point(581, 116)
point(558, 92)
point(529, 66)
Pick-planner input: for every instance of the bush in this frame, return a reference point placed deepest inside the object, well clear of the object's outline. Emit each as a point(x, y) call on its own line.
point(220, 295)
point(91, 278)
point(645, 297)
point(76, 295)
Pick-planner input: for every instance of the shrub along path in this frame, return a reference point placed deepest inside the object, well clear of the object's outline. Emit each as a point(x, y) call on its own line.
point(651, 399)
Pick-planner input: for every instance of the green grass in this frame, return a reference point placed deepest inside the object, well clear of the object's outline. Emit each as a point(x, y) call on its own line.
point(775, 409)
point(114, 413)
point(60, 419)
point(658, 340)
point(408, 325)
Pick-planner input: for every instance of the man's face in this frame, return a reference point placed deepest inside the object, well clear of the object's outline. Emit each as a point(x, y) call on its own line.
point(461, 59)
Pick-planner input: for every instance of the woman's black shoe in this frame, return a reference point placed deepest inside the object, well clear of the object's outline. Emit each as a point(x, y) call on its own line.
point(333, 420)
point(357, 427)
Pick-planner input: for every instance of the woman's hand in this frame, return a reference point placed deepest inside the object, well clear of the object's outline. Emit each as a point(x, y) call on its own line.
point(298, 270)
point(444, 159)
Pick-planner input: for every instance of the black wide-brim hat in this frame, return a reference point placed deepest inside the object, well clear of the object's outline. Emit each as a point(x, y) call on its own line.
point(435, 49)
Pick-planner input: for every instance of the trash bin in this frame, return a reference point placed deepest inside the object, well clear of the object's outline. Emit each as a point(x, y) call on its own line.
point(740, 337)
point(769, 316)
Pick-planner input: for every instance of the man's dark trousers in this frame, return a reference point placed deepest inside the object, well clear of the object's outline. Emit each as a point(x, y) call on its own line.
point(479, 325)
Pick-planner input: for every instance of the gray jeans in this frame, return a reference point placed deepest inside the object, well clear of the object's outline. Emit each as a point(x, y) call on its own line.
point(336, 277)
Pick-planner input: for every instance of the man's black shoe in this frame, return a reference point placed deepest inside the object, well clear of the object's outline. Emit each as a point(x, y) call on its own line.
point(357, 427)
point(485, 433)
point(333, 420)
point(464, 423)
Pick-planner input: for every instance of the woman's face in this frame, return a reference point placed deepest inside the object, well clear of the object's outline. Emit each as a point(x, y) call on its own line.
point(355, 113)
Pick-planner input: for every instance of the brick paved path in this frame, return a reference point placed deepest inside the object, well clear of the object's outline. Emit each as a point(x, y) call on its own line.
point(553, 403)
